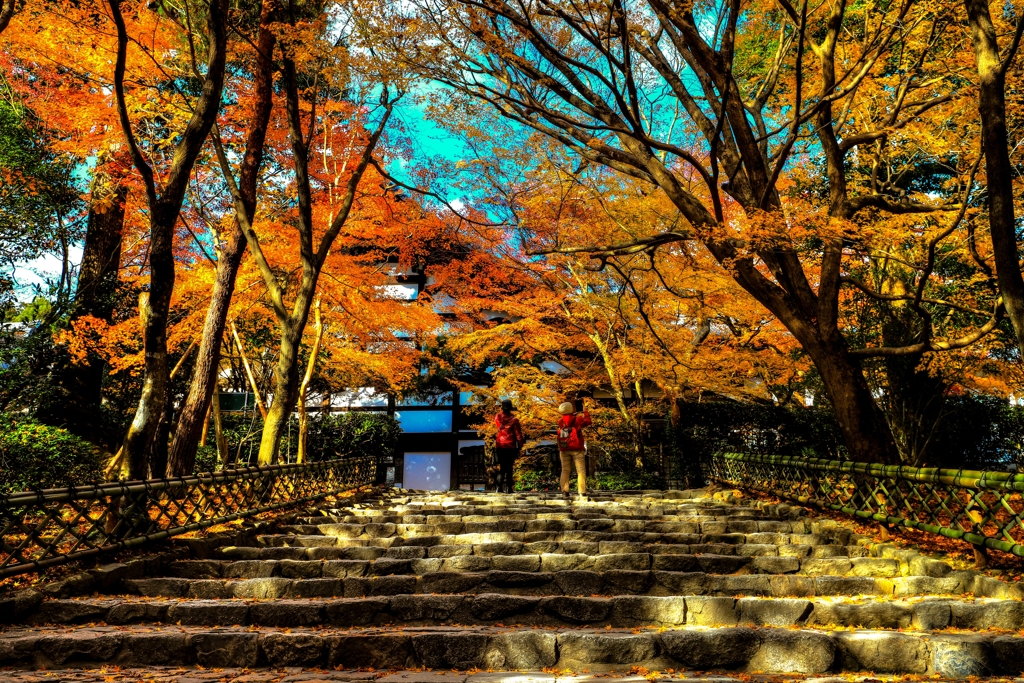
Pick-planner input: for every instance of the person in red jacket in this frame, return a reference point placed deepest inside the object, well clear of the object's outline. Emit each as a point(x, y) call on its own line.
point(572, 447)
point(508, 443)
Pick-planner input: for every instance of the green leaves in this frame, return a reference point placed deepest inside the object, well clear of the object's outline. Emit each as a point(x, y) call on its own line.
point(37, 456)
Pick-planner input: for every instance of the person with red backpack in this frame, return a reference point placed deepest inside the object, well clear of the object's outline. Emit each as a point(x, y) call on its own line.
point(508, 443)
point(571, 446)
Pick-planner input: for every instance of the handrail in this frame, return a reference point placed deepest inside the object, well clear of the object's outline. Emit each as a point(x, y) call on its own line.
point(985, 508)
point(40, 529)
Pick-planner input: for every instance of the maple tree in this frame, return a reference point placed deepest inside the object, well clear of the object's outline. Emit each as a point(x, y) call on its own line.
point(313, 254)
point(193, 412)
point(785, 146)
point(164, 205)
point(762, 200)
point(992, 65)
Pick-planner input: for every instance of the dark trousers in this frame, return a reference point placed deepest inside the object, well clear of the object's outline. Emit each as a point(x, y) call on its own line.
point(506, 459)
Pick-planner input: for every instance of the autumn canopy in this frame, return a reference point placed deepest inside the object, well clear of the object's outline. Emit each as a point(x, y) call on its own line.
point(805, 205)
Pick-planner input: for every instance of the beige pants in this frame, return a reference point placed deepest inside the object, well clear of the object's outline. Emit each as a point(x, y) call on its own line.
point(569, 458)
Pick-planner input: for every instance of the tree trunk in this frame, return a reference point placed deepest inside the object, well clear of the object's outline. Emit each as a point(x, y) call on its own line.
point(223, 455)
point(190, 424)
point(253, 384)
point(286, 391)
point(154, 385)
point(304, 386)
point(82, 383)
point(998, 170)
point(164, 207)
point(867, 435)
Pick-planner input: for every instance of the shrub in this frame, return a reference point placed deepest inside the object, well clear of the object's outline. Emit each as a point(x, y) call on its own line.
point(37, 456)
point(337, 435)
point(619, 481)
point(329, 436)
point(527, 478)
point(206, 459)
point(532, 480)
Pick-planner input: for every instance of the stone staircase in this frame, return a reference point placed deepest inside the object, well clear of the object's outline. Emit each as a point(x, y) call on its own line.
point(674, 582)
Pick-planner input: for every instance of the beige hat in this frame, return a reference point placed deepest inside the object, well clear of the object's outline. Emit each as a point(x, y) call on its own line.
point(566, 408)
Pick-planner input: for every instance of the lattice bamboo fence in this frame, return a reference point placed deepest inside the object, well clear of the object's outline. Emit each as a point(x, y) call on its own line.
point(983, 508)
point(39, 529)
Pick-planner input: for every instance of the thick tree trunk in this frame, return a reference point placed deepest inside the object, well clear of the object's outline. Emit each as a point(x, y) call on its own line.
point(999, 171)
point(193, 413)
point(154, 385)
point(867, 435)
point(182, 456)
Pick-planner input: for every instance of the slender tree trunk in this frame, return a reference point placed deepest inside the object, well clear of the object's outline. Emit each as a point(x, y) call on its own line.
point(998, 170)
point(253, 384)
point(223, 455)
point(286, 390)
point(206, 425)
point(183, 449)
point(304, 386)
point(164, 202)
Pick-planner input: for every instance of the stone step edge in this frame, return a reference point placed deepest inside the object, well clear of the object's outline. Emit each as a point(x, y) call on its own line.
point(572, 582)
point(909, 557)
point(112, 574)
point(764, 650)
point(411, 563)
point(487, 609)
point(319, 675)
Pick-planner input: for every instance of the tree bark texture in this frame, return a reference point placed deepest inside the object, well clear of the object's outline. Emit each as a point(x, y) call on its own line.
point(165, 206)
point(286, 390)
point(300, 451)
point(999, 171)
point(6, 13)
point(181, 458)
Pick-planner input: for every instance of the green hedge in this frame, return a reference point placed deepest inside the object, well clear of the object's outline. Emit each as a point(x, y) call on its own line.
point(329, 436)
point(975, 431)
point(37, 456)
point(527, 479)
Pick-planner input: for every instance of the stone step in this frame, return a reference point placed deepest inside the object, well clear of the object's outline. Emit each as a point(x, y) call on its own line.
point(414, 560)
point(728, 531)
point(176, 674)
point(487, 609)
point(794, 544)
point(763, 650)
point(617, 583)
point(695, 518)
point(563, 582)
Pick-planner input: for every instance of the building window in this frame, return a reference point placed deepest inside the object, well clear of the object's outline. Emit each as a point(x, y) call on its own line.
point(424, 421)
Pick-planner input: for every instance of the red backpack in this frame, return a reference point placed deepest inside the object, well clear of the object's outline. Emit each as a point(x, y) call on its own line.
point(565, 434)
